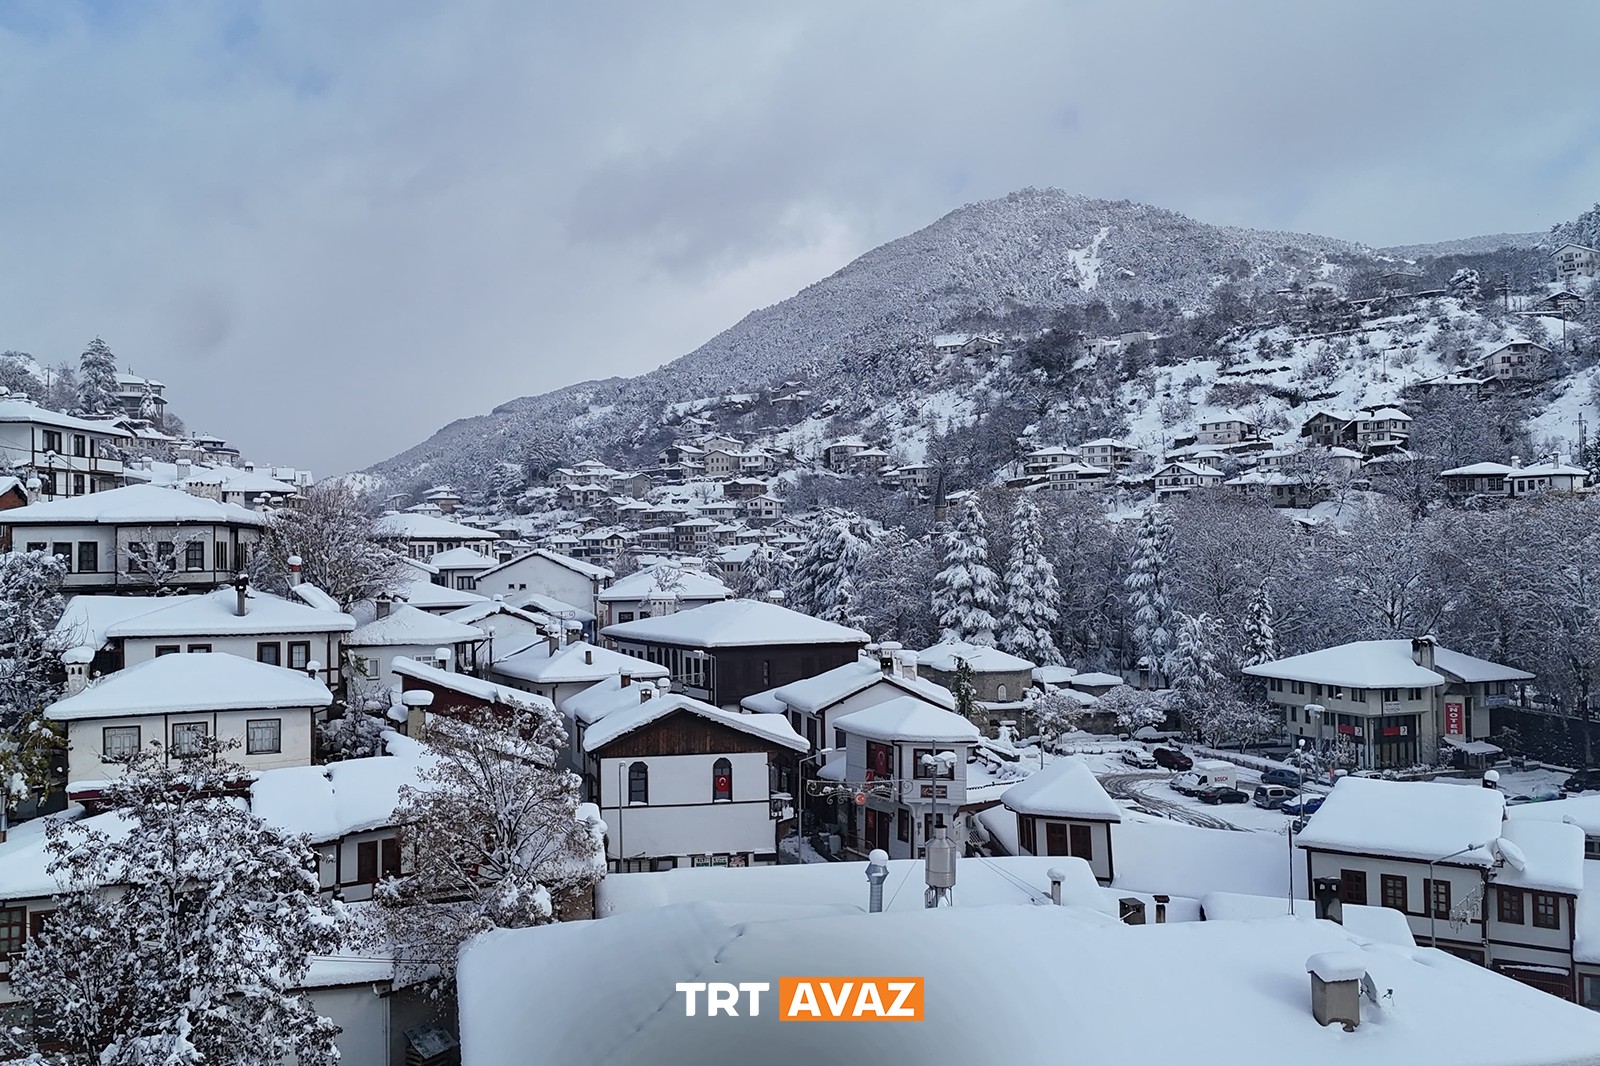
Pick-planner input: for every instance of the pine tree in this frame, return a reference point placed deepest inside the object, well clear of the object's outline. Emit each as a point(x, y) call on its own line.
point(1148, 593)
point(763, 571)
point(30, 607)
point(149, 410)
point(833, 552)
point(197, 954)
point(846, 609)
point(1032, 591)
point(965, 690)
point(97, 381)
point(966, 593)
point(1197, 681)
point(1260, 634)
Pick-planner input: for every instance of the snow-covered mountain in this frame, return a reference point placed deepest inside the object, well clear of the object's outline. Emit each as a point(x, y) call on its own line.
point(860, 337)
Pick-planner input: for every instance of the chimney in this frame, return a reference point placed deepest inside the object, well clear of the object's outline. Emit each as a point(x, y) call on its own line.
point(294, 569)
point(1422, 649)
point(887, 652)
point(588, 656)
point(383, 603)
point(416, 702)
point(1336, 987)
point(627, 678)
point(442, 657)
point(313, 668)
point(77, 660)
point(908, 665)
point(1130, 909)
point(184, 467)
point(249, 468)
point(1057, 876)
point(554, 642)
point(1325, 890)
point(646, 693)
point(1491, 779)
point(1161, 908)
point(877, 874)
point(241, 588)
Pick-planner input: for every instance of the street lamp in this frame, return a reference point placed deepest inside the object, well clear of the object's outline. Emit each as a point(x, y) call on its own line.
point(800, 799)
point(1503, 852)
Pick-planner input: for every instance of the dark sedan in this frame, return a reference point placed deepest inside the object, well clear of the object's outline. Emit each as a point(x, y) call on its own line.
point(1222, 794)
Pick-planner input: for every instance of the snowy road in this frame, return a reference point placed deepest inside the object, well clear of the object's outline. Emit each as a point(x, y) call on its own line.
point(1143, 791)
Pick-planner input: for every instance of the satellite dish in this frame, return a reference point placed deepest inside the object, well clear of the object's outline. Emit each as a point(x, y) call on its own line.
point(1368, 987)
point(1512, 854)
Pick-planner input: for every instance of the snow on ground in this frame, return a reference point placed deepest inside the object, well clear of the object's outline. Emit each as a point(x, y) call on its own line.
point(1086, 261)
point(1560, 418)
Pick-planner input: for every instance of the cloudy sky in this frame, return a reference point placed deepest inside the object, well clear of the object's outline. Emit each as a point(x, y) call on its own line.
point(330, 228)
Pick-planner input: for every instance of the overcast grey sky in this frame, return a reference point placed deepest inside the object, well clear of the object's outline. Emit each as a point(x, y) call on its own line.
point(331, 228)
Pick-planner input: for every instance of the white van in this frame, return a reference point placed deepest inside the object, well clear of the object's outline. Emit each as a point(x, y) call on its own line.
point(1207, 773)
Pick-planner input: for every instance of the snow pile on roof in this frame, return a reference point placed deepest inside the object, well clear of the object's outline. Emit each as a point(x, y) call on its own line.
point(1242, 907)
point(466, 684)
point(603, 697)
point(1061, 981)
point(1581, 811)
point(1096, 679)
point(1053, 675)
point(177, 684)
point(408, 525)
point(15, 410)
point(1478, 470)
point(461, 559)
point(256, 483)
point(1384, 664)
point(573, 663)
point(769, 727)
point(943, 657)
point(426, 596)
point(406, 626)
point(1406, 819)
point(736, 624)
point(577, 566)
point(675, 583)
point(327, 802)
point(813, 694)
point(136, 505)
point(549, 605)
point(96, 619)
point(1551, 854)
point(312, 596)
point(909, 718)
point(1064, 789)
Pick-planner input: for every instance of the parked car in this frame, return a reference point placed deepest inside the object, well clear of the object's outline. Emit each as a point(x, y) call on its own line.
point(1222, 794)
point(1280, 776)
point(1297, 807)
point(1271, 797)
point(1172, 760)
point(1582, 781)
point(1140, 758)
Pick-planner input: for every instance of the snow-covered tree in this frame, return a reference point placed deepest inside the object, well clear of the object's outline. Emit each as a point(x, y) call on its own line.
point(963, 688)
point(354, 734)
point(150, 560)
point(340, 551)
point(1466, 285)
point(1260, 632)
point(494, 833)
point(196, 955)
point(505, 482)
point(30, 647)
point(1199, 686)
point(1133, 709)
point(764, 570)
point(1031, 592)
point(833, 551)
point(30, 750)
point(149, 409)
point(97, 381)
point(1056, 713)
point(966, 593)
point(846, 609)
point(1149, 593)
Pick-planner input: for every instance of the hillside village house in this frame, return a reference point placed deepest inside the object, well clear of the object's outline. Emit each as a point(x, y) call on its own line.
point(1397, 701)
point(458, 568)
point(451, 693)
point(1174, 479)
point(1451, 866)
point(1108, 452)
point(140, 398)
point(1565, 303)
point(660, 590)
point(1575, 261)
point(1000, 680)
point(137, 538)
point(422, 536)
point(1516, 361)
point(1383, 429)
point(1070, 477)
point(547, 573)
point(1228, 427)
point(681, 783)
point(1330, 428)
point(1277, 487)
point(908, 800)
point(70, 456)
point(731, 649)
point(840, 455)
point(507, 629)
point(559, 671)
point(249, 488)
point(1063, 810)
point(1500, 479)
point(179, 700)
point(387, 629)
point(124, 631)
point(1038, 462)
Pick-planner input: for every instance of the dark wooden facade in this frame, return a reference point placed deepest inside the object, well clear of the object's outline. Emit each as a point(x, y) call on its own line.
point(683, 733)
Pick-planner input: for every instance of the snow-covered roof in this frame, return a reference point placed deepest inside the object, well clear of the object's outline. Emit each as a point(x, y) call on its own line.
point(1581, 811)
point(408, 625)
point(1424, 820)
point(813, 694)
point(685, 585)
point(1064, 789)
point(1054, 675)
point(774, 728)
point(427, 596)
point(549, 605)
point(409, 525)
point(1196, 469)
point(1383, 664)
point(466, 684)
point(14, 410)
point(1389, 414)
point(95, 619)
point(909, 718)
point(610, 694)
point(329, 802)
point(1478, 470)
point(256, 483)
point(577, 566)
point(983, 660)
point(461, 559)
point(473, 613)
point(1105, 442)
point(312, 596)
point(1550, 470)
point(573, 663)
point(179, 684)
point(135, 505)
point(1058, 990)
point(735, 624)
point(1551, 854)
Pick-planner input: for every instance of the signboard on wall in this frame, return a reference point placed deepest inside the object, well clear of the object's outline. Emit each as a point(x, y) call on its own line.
point(1455, 719)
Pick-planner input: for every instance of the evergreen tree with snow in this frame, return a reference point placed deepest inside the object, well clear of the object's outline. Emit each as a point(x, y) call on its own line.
point(1148, 588)
point(966, 593)
point(198, 954)
point(765, 570)
point(1260, 633)
point(354, 735)
point(30, 647)
point(149, 410)
point(964, 688)
point(846, 609)
point(1031, 592)
point(832, 552)
point(1197, 681)
point(97, 381)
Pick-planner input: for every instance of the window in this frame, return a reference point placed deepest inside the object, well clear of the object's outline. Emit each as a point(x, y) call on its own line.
point(13, 929)
point(299, 654)
point(838, 739)
point(367, 862)
point(77, 484)
point(263, 736)
point(389, 857)
point(1416, 694)
point(635, 866)
point(52, 441)
point(1336, 692)
point(1510, 905)
point(624, 616)
point(880, 761)
point(188, 737)
point(1297, 688)
point(62, 550)
point(1589, 991)
point(269, 652)
point(918, 769)
point(1358, 695)
point(194, 555)
point(902, 825)
point(1055, 839)
point(80, 445)
point(721, 780)
point(166, 554)
point(88, 557)
point(638, 783)
point(1546, 910)
point(1082, 841)
point(1393, 889)
point(198, 649)
point(219, 553)
point(1353, 886)
point(1027, 835)
point(1438, 893)
point(167, 649)
point(1276, 684)
point(1391, 695)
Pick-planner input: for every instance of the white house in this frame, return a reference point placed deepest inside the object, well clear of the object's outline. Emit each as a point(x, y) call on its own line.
point(1179, 477)
point(128, 630)
point(508, 629)
point(387, 628)
point(459, 567)
point(1108, 452)
point(1227, 427)
point(140, 537)
point(246, 488)
point(907, 796)
point(1516, 361)
point(548, 573)
point(558, 671)
point(1068, 477)
point(659, 590)
point(1575, 261)
point(70, 456)
point(177, 701)
point(680, 782)
point(422, 536)
point(1064, 810)
point(1383, 429)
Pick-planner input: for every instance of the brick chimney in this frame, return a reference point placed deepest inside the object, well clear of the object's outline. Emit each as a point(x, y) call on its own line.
point(294, 569)
point(1422, 649)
